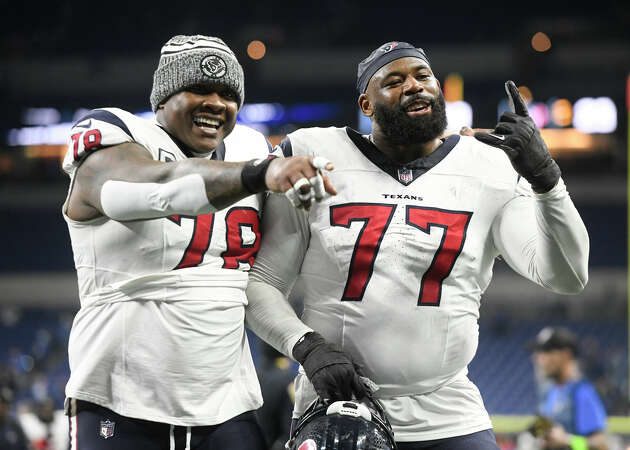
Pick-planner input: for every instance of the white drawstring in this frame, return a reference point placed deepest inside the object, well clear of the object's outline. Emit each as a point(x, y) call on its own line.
point(171, 436)
point(72, 416)
point(188, 433)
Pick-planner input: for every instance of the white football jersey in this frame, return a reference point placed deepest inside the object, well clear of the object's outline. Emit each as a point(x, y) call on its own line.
point(160, 333)
point(392, 269)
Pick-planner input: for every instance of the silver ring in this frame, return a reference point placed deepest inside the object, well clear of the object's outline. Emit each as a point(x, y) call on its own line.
point(291, 194)
point(299, 184)
point(319, 162)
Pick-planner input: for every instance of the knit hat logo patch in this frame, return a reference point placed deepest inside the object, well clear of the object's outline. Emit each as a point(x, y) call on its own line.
point(390, 47)
point(213, 66)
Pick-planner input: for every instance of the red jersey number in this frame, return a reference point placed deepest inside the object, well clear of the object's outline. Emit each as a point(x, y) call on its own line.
point(242, 238)
point(91, 141)
point(454, 224)
point(242, 233)
point(376, 217)
point(200, 241)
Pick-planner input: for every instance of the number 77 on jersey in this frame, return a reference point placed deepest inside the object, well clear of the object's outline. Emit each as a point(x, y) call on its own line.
point(376, 218)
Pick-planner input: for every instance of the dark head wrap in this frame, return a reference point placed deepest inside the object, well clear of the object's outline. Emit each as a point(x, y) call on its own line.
point(383, 55)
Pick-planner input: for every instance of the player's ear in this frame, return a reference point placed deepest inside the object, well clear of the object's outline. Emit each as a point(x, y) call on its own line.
point(365, 105)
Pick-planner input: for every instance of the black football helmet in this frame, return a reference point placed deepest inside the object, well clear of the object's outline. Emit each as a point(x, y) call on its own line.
point(343, 425)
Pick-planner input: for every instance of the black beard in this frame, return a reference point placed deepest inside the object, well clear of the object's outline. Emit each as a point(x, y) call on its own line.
point(401, 129)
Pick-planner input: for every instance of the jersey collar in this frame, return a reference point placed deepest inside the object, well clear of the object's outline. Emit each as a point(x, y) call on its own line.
point(403, 173)
point(216, 154)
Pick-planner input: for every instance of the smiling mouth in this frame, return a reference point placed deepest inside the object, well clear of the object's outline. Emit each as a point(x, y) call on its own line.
point(418, 106)
point(207, 123)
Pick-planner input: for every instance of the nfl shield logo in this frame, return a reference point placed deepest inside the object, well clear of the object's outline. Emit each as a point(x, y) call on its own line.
point(107, 428)
point(405, 176)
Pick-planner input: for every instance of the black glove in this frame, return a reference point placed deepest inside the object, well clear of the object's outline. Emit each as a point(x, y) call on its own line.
point(517, 135)
point(332, 372)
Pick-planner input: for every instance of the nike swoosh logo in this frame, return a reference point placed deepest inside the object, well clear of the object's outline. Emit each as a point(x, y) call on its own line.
point(87, 125)
point(498, 136)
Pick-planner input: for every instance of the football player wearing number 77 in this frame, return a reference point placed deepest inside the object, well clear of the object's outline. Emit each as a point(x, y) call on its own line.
point(393, 268)
point(164, 221)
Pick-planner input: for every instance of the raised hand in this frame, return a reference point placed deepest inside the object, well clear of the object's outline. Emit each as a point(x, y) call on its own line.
point(517, 135)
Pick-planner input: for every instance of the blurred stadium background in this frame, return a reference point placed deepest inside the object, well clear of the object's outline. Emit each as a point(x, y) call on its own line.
point(58, 59)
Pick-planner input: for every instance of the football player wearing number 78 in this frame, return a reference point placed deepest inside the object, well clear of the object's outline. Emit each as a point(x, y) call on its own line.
point(164, 221)
point(393, 268)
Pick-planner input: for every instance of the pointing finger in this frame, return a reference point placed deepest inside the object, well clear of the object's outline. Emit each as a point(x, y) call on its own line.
point(517, 104)
point(328, 186)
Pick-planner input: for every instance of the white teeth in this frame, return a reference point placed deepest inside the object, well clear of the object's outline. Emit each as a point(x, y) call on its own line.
point(207, 122)
point(416, 106)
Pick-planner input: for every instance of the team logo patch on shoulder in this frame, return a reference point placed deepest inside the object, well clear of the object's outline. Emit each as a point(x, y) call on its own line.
point(165, 156)
point(213, 66)
point(84, 124)
point(405, 176)
point(107, 429)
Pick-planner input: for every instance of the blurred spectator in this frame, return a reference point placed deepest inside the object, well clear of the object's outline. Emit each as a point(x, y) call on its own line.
point(276, 373)
point(45, 427)
point(572, 414)
point(11, 434)
point(34, 340)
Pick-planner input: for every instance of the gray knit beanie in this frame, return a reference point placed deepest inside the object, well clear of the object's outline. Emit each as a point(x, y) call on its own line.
point(190, 60)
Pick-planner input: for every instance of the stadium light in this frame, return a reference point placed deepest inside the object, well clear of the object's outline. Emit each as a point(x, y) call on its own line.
point(256, 50)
